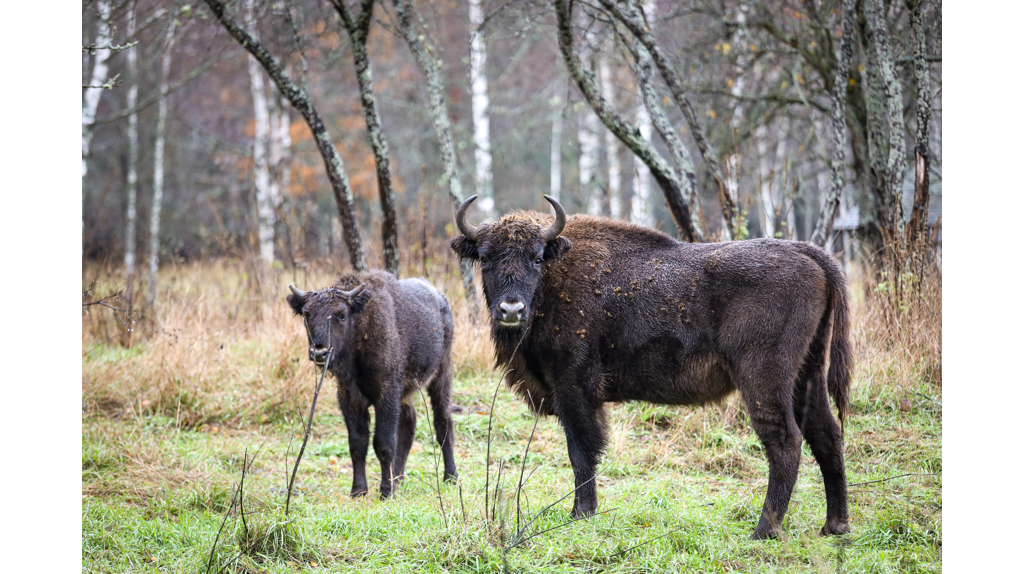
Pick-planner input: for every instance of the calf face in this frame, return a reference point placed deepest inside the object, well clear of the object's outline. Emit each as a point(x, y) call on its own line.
point(511, 262)
point(328, 315)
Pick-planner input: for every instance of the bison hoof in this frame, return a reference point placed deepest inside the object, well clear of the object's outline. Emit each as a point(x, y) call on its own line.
point(764, 534)
point(578, 512)
point(451, 477)
point(358, 492)
point(835, 526)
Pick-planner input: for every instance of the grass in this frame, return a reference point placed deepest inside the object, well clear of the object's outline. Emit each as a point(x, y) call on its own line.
point(218, 370)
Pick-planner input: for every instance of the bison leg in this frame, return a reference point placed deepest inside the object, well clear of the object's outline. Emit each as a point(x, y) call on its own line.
point(825, 438)
point(357, 419)
point(385, 436)
point(406, 433)
point(440, 391)
point(585, 438)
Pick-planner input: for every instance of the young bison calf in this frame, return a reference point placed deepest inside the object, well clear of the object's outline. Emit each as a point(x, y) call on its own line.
point(385, 339)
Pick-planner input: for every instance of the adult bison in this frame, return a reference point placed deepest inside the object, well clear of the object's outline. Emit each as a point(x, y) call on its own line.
point(385, 339)
point(586, 310)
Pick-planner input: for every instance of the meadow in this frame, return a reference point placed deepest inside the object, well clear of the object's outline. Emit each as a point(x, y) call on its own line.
point(212, 387)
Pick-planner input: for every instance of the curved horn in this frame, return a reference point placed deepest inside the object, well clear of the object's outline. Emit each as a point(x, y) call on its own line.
point(556, 228)
point(298, 292)
point(460, 220)
point(354, 292)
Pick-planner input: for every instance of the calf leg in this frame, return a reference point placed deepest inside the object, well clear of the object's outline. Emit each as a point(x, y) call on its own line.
point(825, 438)
point(357, 419)
point(440, 391)
point(406, 433)
point(585, 438)
point(388, 410)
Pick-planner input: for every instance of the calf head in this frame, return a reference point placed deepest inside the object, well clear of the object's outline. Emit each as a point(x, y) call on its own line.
point(512, 253)
point(328, 317)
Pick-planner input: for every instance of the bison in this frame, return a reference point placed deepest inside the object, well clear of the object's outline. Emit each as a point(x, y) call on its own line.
point(383, 340)
point(587, 310)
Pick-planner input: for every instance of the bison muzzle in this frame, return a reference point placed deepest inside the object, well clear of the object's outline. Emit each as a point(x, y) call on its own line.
point(383, 340)
point(587, 310)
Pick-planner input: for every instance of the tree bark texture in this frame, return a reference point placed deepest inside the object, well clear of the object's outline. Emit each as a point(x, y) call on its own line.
point(358, 29)
point(918, 225)
point(556, 149)
point(158, 165)
point(423, 52)
point(629, 15)
point(100, 68)
point(837, 169)
point(301, 101)
point(133, 162)
point(611, 144)
point(481, 119)
point(627, 134)
point(260, 152)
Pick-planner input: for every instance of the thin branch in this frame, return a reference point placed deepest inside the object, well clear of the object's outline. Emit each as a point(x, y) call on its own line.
point(305, 436)
point(893, 478)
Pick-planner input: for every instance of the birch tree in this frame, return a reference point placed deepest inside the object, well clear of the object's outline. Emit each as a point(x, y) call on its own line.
point(640, 208)
point(301, 101)
point(557, 109)
point(260, 153)
point(158, 163)
point(589, 142)
point(481, 120)
point(610, 144)
point(424, 52)
point(133, 161)
point(358, 28)
point(94, 89)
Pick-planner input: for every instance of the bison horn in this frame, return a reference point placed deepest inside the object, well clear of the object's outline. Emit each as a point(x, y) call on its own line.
point(298, 292)
point(354, 292)
point(556, 228)
point(460, 220)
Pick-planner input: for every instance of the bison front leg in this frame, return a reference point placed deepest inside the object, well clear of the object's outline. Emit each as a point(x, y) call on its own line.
point(583, 422)
point(385, 436)
point(357, 419)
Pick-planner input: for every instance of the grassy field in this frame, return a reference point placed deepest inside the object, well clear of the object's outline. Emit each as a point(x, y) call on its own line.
point(217, 374)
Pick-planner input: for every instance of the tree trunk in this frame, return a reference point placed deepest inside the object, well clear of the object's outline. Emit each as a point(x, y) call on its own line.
point(158, 165)
point(640, 204)
point(918, 225)
point(133, 162)
point(261, 143)
point(419, 46)
point(610, 144)
point(481, 120)
point(626, 133)
point(629, 15)
point(556, 149)
point(837, 170)
point(588, 126)
point(301, 101)
point(359, 32)
point(99, 76)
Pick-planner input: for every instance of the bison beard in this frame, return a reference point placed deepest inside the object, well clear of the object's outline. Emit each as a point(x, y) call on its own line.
point(611, 311)
point(389, 338)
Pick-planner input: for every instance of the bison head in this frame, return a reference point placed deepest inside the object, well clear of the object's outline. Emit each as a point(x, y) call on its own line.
point(328, 317)
point(512, 252)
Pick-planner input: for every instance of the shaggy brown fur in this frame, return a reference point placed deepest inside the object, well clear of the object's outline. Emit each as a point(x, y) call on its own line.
point(389, 341)
point(618, 312)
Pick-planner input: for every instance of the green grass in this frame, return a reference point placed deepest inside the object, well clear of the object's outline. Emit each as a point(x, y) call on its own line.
point(682, 490)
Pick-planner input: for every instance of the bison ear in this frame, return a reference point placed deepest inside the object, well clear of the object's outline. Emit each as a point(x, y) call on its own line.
point(358, 303)
point(296, 303)
point(557, 248)
point(465, 248)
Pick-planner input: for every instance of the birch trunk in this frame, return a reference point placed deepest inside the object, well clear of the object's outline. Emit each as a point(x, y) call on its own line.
point(481, 119)
point(158, 165)
point(629, 15)
point(610, 145)
point(91, 98)
point(732, 162)
point(837, 170)
point(421, 49)
point(280, 148)
point(589, 142)
point(667, 179)
point(358, 29)
point(556, 149)
point(301, 101)
point(918, 224)
point(261, 143)
point(640, 207)
point(133, 162)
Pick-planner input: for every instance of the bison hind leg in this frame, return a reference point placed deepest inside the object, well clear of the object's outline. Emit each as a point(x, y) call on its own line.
point(440, 391)
point(823, 435)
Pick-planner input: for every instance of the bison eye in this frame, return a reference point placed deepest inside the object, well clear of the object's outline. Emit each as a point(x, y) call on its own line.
point(539, 260)
point(483, 259)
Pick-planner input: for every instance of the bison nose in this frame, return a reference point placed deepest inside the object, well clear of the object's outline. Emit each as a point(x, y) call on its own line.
point(318, 354)
point(511, 312)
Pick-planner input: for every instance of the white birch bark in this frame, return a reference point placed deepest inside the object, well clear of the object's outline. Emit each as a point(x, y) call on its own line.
point(590, 143)
point(133, 161)
point(261, 143)
point(611, 144)
point(640, 208)
point(481, 119)
point(91, 97)
point(556, 149)
point(158, 165)
point(766, 179)
point(732, 162)
point(280, 147)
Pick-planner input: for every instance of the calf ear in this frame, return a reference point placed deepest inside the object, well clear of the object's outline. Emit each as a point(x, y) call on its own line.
point(357, 303)
point(465, 248)
point(296, 303)
point(557, 248)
